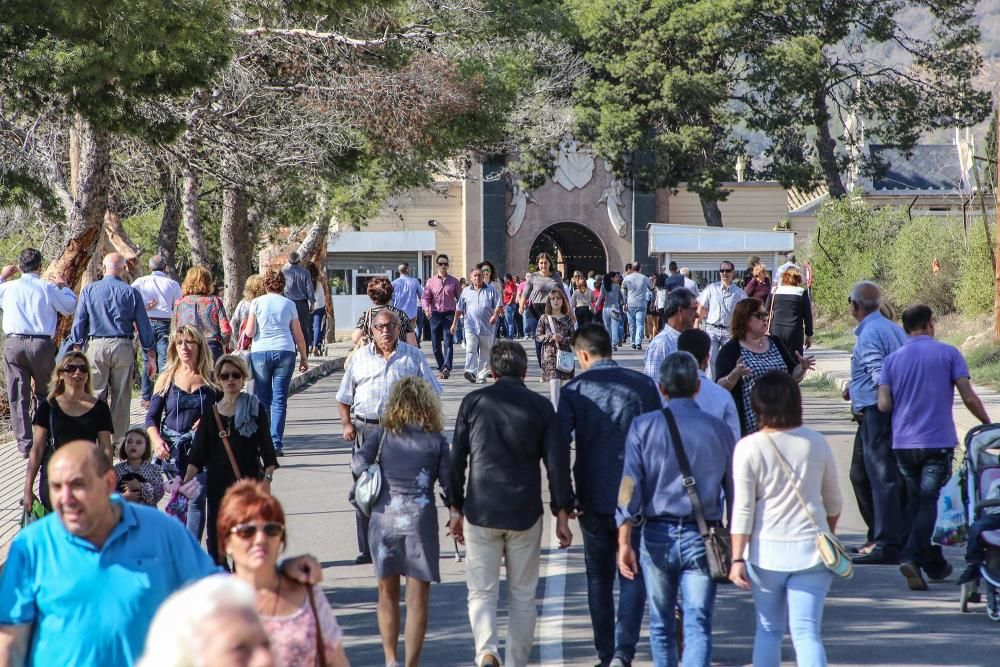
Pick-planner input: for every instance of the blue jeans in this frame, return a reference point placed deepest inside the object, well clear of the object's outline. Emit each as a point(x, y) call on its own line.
point(318, 316)
point(161, 331)
point(611, 324)
point(441, 335)
point(272, 374)
point(196, 511)
point(600, 547)
point(637, 323)
point(673, 561)
point(923, 472)
point(799, 596)
point(510, 315)
point(530, 323)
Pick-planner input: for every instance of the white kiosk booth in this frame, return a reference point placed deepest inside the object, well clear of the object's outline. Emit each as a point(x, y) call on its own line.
point(701, 249)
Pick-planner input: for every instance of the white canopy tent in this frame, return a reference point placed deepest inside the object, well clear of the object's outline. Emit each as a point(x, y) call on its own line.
point(702, 249)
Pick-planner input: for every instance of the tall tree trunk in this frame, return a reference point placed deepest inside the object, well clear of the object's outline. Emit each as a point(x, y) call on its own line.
point(166, 240)
point(826, 146)
point(237, 244)
point(710, 209)
point(192, 219)
point(315, 239)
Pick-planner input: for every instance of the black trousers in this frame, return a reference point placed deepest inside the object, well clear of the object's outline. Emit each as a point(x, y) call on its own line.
point(883, 475)
point(862, 485)
point(305, 319)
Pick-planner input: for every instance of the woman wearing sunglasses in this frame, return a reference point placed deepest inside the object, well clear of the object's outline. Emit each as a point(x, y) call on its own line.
point(69, 413)
point(750, 354)
point(232, 442)
point(297, 618)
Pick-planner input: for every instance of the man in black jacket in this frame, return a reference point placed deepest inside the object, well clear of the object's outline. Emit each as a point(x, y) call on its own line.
point(501, 434)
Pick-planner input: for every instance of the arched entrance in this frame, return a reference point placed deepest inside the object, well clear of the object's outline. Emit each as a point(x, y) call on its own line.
point(573, 248)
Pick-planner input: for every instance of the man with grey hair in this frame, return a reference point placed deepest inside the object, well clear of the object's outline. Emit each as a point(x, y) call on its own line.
point(364, 391)
point(672, 552)
point(159, 293)
point(109, 315)
point(689, 282)
point(31, 308)
point(299, 290)
point(874, 474)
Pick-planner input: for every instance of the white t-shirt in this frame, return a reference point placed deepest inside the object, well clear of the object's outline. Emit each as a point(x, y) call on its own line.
point(274, 315)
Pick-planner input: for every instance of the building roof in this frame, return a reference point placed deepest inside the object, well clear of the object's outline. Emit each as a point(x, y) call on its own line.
point(929, 169)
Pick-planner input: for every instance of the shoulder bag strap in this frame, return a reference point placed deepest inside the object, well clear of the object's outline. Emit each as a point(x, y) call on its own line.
point(793, 481)
point(225, 443)
point(687, 479)
point(320, 647)
point(378, 452)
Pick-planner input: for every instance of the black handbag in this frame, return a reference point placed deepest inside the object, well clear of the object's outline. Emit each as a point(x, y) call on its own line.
point(718, 544)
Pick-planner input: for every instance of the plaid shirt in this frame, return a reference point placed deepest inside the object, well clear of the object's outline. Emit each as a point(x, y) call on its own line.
point(369, 377)
point(663, 343)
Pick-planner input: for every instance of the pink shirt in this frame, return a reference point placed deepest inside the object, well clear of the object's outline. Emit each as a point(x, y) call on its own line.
point(293, 637)
point(440, 295)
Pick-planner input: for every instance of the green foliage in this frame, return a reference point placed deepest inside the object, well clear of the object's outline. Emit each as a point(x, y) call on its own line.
point(917, 246)
point(20, 189)
point(974, 293)
point(852, 243)
point(104, 59)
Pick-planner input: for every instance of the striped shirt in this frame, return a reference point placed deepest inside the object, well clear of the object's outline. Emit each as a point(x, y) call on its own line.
point(369, 377)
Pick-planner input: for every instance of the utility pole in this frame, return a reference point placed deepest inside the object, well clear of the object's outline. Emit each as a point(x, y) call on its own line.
point(996, 254)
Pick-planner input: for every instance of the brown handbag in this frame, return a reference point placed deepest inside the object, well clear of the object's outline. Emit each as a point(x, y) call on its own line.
point(224, 435)
point(320, 648)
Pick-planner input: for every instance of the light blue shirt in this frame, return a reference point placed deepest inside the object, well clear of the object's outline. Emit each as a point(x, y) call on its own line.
point(31, 305)
point(406, 293)
point(718, 402)
point(274, 314)
point(636, 289)
point(91, 606)
point(663, 343)
point(877, 338)
point(477, 306)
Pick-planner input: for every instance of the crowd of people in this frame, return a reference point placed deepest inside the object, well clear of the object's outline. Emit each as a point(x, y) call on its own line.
point(711, 434)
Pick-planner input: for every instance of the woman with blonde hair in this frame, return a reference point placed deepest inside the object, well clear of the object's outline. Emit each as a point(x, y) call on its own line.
point(202, 309)
point(181, 395)
point(759, 285)
point(403, 531)
point(791, 312)
point(70, 412)
point(252, 288)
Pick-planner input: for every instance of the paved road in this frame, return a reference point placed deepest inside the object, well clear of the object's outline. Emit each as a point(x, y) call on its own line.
point(870, 620)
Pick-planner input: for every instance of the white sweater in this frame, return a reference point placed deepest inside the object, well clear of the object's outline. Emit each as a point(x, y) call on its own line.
point(782, 537)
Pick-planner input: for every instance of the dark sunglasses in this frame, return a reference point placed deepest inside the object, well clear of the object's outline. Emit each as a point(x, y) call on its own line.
point(442, 263)
point(73, 368)
point(246, 531)
point(725, 270)
point(225, 377)
point(760, 315)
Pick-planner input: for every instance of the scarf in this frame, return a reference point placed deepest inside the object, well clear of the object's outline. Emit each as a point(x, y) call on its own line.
point(247, 411)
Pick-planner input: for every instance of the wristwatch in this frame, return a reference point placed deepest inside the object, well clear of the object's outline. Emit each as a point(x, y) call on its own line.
point(269, 476)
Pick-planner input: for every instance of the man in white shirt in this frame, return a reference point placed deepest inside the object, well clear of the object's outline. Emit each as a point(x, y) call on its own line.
point(689, 283)
point(716, 305)
point(711, 398)
point(159, 293)
point(31, 308)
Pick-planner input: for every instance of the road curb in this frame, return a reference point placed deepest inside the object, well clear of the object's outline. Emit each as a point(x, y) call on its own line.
point(304, 380)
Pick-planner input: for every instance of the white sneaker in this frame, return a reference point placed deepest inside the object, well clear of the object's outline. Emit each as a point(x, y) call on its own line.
point(617, 662)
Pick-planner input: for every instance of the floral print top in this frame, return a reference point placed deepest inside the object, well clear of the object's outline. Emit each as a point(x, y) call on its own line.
point(293, 637)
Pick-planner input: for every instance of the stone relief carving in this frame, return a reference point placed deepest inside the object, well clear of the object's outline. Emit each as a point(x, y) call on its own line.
point(574, 167)
point(519, 201)
point(612, 198)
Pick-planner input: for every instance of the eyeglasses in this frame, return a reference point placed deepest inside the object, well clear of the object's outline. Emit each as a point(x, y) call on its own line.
point(386, 326)
point(760, 315)
point(246, 531)
point(69, 369)
point(226, 377)
point(725, 270)
point(442, 263)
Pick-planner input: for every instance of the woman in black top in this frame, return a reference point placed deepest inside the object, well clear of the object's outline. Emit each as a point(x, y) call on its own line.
point(791, 312)
point(245, 423)
point(182, 393)
point(70, 413)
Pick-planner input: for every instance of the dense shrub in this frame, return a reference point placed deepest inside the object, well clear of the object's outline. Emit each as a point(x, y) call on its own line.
point(974, 291)
point(912, 278)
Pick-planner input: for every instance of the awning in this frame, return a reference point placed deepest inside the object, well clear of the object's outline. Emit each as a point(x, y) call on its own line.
point(671, 239)
point(368, 242)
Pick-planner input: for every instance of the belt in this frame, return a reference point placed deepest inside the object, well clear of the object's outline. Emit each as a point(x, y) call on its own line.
point(160, 319)
point(716, 326)
point(673, 518)
point(365, 420)
point(109, 337)
point(32, 336)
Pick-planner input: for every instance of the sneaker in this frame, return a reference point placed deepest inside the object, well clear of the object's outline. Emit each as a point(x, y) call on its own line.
point(446, 373)
point(482, 380)
point(639, 347)
point(618, 662)
point(914, 579)
point(470, 376)
point(363, 559)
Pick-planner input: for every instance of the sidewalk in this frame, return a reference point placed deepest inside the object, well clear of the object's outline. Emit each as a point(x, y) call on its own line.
point(835, 365)
point(13, 467)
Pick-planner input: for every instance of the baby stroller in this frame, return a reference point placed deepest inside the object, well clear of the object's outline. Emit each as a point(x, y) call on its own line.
point(982, 468)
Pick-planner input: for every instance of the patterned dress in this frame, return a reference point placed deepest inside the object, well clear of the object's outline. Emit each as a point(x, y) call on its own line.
point(759, 364)
point(403, 530)
point(548, 326)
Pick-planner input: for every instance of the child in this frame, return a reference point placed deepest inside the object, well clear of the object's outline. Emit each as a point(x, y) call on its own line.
point(555, 333)
point(135, 453)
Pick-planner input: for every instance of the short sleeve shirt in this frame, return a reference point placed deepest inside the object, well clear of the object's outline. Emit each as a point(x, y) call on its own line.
point(478, 305)
point(720, 303)
point(91, 606)
point(64, 428)
point(922, 375)
point(274, 315)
